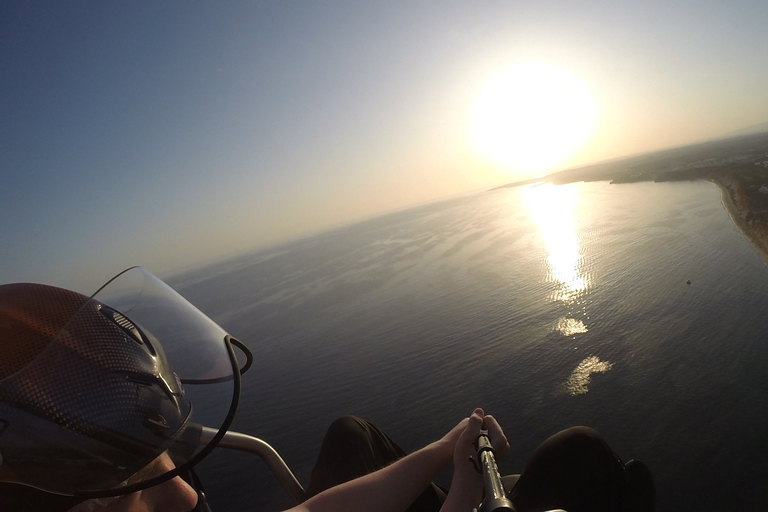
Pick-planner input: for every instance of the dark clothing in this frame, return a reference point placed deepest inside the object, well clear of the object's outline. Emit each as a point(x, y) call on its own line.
point(19, 498)
point(353, 447)
point(577, 471)
point(574, 470)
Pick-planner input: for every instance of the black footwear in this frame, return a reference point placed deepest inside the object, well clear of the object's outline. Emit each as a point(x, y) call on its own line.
point(641, 485)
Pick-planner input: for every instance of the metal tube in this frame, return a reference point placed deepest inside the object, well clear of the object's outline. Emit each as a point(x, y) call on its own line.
point(246, 443)
point(495, 496)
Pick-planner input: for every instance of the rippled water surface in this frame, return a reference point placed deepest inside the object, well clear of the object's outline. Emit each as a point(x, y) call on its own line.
point(549, 306)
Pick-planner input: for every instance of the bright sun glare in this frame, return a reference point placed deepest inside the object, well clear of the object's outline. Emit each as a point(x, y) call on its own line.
point(532, 118)
point(552, 208)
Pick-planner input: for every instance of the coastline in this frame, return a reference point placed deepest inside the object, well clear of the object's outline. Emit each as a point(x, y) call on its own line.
point(737, 165)
point(736, 204)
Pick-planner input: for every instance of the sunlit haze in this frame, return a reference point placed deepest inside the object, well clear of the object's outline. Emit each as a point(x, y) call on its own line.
point(173, 134)
point(532, 118)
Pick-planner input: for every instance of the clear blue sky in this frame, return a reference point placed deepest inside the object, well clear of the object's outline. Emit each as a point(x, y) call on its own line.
point(169, 134)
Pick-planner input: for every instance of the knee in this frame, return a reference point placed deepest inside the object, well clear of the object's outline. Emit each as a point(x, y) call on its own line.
point(346, 430)
point(581, 432)
point(346, 425)
point(580, 435)
point(582, 441)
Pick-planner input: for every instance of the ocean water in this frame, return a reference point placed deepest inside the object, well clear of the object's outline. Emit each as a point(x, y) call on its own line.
point(549, 306)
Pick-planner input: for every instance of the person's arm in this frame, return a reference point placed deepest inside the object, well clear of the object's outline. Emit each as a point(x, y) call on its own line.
point(467, 483)
point(395, 487)
point(390, 489)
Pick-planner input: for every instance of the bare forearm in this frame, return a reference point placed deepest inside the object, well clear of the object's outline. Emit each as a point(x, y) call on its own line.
point(466, 490)
point(395, 487)
point(391, 489)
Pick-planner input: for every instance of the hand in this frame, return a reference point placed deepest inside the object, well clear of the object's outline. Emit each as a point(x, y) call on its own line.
point(466, 445)
point(496, 434)
point(465, 448)
point(467, 485)
point(448, 442)
point(460, 443)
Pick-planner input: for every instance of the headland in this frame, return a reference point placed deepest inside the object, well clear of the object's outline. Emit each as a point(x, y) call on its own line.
point(738, 165)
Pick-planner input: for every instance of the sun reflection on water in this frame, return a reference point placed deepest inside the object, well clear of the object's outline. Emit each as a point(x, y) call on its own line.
point(551, 208)
point(578, 382)
point(570, 326)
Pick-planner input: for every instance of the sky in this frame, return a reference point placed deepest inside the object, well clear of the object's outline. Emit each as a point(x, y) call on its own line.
point(173, 134)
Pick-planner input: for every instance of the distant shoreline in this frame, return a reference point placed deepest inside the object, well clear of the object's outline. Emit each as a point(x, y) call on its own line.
point(737, 165)
point(730, 197)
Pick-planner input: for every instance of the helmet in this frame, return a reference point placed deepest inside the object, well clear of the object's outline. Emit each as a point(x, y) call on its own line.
point(94, 389)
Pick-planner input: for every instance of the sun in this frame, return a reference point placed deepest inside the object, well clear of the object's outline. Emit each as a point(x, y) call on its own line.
point(532, 117)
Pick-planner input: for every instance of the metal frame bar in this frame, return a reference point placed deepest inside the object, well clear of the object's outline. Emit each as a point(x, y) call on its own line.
point(250, 444)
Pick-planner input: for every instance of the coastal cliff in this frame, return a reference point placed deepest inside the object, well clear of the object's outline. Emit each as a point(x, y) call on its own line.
point(748, 209)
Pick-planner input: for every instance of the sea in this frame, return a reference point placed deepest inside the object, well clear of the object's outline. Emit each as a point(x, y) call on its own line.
point(637, 309)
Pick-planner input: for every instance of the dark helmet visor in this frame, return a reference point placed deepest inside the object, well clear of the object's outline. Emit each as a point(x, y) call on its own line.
point(130, 376)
